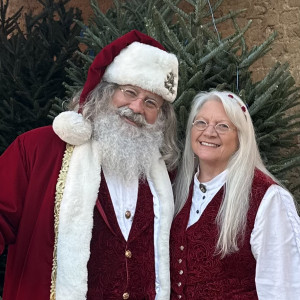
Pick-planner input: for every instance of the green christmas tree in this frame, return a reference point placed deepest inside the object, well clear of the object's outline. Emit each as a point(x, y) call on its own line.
point(207, 60)
point(32, 65)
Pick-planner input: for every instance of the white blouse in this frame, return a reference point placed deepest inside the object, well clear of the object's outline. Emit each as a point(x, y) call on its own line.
point(275, 239)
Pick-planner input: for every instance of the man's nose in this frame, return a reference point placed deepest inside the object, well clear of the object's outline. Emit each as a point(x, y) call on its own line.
point(137, 105)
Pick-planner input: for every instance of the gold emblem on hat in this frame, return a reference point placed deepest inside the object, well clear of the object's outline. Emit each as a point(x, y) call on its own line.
point(169, 83)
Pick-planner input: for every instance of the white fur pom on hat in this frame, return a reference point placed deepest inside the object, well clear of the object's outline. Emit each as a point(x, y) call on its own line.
point(147, 67)
point(72, 128)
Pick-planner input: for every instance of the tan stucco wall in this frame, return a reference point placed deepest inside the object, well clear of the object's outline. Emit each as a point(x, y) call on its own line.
point(267, 16)
point(282, 16)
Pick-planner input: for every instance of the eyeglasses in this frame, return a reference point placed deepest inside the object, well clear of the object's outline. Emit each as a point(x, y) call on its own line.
point(220, 127)
point(131, 95)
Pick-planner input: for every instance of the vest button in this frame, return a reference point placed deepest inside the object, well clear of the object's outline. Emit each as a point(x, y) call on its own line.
point(179, 296)
point(126, 296)
point(179, 283)
point(180, 260)
point(128, 254)
point(127, 214)
point(180, 272)
point(181, 248)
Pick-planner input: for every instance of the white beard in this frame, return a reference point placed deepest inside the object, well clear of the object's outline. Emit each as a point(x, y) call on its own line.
point(125, 149)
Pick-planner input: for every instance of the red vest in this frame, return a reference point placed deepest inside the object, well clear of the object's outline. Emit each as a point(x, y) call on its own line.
point(118, 268)
point(196, 272)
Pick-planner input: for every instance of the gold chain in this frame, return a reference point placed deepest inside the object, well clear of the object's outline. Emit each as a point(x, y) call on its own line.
point(60, 186)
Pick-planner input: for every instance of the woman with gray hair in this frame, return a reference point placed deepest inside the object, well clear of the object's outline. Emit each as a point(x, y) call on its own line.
point(236, 233)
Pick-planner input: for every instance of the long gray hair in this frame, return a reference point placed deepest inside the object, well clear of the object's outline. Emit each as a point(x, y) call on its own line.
point(99, 99)
point(232, 215)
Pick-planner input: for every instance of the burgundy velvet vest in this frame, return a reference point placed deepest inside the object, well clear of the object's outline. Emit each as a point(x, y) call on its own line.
point(196, 272)
point(118, 269)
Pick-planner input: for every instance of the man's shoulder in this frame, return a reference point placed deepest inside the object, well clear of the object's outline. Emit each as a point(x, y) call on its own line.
point(33, 145)
point(42, 137)
point(41, 133)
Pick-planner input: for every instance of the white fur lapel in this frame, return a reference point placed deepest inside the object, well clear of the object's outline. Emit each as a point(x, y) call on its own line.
point(164, 216)
point(76, 223)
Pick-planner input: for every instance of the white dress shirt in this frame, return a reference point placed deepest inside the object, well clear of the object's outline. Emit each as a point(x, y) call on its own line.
point(124, 198)
point(275, 239)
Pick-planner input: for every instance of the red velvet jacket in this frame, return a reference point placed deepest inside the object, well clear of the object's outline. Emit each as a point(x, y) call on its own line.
point(196, 272)
point(28, 178)
point(28, 174)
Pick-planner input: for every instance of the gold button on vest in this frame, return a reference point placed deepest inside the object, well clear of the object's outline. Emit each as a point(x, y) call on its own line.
point(126, 296)
point(128, 254)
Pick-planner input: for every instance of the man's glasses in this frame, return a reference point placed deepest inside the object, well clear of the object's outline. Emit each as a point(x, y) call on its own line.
point(220, 127)
point(131, 94)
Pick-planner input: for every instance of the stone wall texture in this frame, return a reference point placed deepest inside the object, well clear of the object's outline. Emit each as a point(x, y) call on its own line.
point(267, 16)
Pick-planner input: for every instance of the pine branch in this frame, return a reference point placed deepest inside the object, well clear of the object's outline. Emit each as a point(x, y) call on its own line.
point(285, 164)
point(173, 39)
point(173, 5)
point(224, 46)
point(258, 52)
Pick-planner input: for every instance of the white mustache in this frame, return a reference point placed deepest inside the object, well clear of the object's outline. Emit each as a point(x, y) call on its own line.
point(129, 114)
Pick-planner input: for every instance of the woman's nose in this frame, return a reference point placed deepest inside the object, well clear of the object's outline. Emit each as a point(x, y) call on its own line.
point(210, 131)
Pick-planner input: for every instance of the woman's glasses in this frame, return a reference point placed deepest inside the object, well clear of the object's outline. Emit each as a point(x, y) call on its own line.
point(220, 127)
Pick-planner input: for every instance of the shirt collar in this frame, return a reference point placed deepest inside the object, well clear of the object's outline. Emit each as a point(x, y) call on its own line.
point(213, 184)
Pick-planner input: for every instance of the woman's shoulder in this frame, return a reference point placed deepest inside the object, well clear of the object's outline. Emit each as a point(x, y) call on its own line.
point(262, 179)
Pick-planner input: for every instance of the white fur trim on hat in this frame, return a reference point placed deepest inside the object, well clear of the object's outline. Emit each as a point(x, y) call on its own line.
point(72, 128)
point(147, 67)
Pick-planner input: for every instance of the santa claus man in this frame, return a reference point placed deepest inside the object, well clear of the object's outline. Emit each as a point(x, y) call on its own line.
point(86, 204)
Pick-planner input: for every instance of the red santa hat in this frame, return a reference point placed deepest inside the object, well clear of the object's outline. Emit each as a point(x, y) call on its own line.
point(134, 58)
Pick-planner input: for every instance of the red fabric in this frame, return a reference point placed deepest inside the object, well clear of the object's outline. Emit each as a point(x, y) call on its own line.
point(107, 55)
point(196, 273)
point(28, 174)
point(27, 187)
point(110, 273)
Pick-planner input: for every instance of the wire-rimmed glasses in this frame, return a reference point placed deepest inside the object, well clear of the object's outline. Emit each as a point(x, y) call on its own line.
point(131, 95)
point(220, 127)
